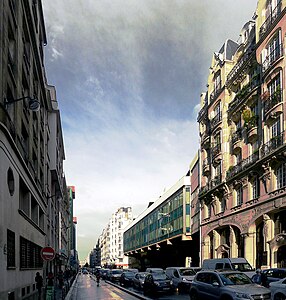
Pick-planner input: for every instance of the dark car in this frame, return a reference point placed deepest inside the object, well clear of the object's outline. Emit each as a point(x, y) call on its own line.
point(138, 280)
point(157, 282)
point(114, 275)
point(103, 273)
point(126, 278)
point(226, 284)
point(273, 274)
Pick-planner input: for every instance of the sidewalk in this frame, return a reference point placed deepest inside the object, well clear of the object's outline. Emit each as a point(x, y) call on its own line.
point(60, 293)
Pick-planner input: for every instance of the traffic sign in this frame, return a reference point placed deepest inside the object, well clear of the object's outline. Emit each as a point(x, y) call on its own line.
point(48, 253)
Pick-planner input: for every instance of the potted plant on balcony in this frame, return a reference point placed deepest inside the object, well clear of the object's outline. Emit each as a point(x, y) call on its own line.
point(246, 116)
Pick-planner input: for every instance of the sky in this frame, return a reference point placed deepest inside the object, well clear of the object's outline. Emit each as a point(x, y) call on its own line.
point(128, 75)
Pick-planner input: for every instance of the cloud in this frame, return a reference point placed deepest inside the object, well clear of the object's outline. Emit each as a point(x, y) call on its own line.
point(129, 75)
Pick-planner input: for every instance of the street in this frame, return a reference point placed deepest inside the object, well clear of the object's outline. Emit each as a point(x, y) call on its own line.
point(85, 288)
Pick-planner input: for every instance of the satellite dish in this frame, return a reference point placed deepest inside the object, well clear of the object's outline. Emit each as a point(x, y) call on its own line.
point(34, 105)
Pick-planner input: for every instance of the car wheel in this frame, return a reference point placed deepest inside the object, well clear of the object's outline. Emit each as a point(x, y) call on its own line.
point(279, 297)
point(194, 295)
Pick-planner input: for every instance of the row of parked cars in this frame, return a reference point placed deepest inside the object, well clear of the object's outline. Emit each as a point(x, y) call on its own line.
point(222, 279)
point(153, 280)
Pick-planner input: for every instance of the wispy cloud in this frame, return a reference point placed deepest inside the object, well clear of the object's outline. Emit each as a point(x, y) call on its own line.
point(129, 76)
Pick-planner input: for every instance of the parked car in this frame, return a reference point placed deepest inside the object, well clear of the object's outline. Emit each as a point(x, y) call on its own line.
point(154, 270)
point(227, 284)
point(157, 282)
point(104, 273)
point(274, 274)
point(278, 289)
point(114, 275)
point(138, 280)
point(126, 278)
point(235, 264)
point(131, 270)
point(181, 277)
point(84, 271)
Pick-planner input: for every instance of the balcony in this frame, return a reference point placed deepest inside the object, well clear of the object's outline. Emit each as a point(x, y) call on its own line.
point(206, 166)
point(247, 91)
point(214, 94)
point(272, 58)
point(217, 180)
point(236, 140)
point(205, 139)
point(215, 120)
point(252, 129)
point(273, 105)
point(202, 112)
point(242, 165)
point(272, 145)
point(216, 150)
point(235, 75)
point(270, 20)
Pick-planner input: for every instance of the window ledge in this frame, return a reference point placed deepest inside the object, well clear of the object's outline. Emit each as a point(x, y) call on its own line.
point(23, 214)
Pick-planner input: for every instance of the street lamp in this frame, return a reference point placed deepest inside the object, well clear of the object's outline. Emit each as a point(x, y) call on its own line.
point(33, 103)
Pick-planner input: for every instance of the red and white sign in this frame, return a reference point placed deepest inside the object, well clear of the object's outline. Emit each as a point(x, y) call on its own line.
point(48, 253)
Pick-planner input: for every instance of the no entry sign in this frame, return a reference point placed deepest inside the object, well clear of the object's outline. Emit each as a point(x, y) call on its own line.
point(48, 253)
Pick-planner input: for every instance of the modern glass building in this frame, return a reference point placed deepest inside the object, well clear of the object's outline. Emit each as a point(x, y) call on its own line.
point(161, 228)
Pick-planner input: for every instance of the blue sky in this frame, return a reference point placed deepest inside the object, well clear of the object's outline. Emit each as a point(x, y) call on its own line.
point(128, 75)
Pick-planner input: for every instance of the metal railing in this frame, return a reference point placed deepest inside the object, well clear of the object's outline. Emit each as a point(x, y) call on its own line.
point(274, 143)
point(272, 101)
point(271, 18)
point(272, 57)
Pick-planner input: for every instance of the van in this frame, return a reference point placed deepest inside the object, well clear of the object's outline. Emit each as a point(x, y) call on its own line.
point(236, 264)
point(182, 277)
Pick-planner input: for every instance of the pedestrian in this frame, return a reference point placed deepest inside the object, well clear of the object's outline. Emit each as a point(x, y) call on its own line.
point(50, 279)
point(97, 274)
point(61, 278)
point(256, 278)
point(39, 284)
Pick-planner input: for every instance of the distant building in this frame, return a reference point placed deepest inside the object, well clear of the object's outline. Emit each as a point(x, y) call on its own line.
point(111, 239)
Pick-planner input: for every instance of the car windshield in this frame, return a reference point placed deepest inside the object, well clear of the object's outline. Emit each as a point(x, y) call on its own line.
point(187, 272)
point(129, 274)
point(242, 267)
point(235, 279)
point(159, 276)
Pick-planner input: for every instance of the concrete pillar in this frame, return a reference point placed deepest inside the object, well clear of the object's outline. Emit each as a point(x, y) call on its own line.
point(206, 248)
point(268, 232)
point(250, 245)
point(233, 252)
point(216, 243)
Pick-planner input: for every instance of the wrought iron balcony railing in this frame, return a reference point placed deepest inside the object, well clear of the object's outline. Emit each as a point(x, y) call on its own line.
point(270, 20)
point(272, 101)
point(273, 56)
point(216, 149)
point(242, 95)
point(216, 92)
point(215, 120)
point(236, 136)
point(242, 165)
point(274, 143)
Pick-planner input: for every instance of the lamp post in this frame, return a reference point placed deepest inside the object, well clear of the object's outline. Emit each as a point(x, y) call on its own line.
point(33, 104)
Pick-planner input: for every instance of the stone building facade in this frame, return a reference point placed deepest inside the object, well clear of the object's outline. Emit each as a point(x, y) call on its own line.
point(242, 144)
point(34, 207)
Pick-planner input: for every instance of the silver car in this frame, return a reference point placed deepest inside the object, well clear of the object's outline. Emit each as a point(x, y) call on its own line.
point(230, 285)
point(278, 289)
point(138, 280)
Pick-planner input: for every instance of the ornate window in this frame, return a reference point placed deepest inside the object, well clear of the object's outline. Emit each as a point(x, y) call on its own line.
point(281, 176)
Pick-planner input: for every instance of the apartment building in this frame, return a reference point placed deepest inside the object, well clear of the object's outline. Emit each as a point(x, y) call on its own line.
point(242, 146)
point(33, 199)
point(111, 239)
